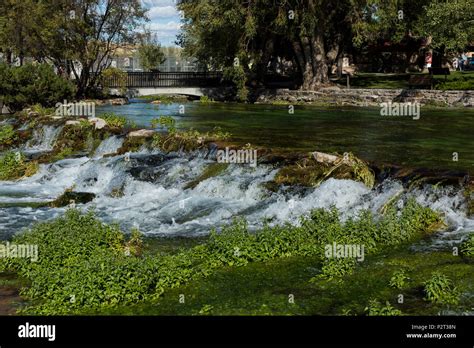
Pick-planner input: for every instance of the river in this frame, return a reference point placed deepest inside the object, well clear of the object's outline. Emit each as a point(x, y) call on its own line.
point(155, 197)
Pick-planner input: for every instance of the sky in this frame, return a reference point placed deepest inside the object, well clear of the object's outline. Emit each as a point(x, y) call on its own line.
point(164, 20)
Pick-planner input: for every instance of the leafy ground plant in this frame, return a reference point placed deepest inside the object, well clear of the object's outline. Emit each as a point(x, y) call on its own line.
point(467, 247)
point(85, 265)
point(13, 165)
point(440, 289)
point(375, 308)
point(113, 120)
point(8, 136)
point(399, 279)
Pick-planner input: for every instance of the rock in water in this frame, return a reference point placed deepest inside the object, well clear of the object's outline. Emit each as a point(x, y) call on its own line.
point(98, 123)
point(70, 197)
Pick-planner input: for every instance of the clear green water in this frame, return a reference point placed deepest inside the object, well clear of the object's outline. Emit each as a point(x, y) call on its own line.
point(428, 142)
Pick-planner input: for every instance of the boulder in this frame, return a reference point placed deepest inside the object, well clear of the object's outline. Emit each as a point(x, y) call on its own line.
point(118, 101)
point(33, 114)
point(69, 198)
point(322, 157)
point(142, 133)
point(98, 123)
point(72, 123)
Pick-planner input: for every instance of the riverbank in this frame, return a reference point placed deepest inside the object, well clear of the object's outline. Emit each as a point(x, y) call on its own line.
point(336, 96)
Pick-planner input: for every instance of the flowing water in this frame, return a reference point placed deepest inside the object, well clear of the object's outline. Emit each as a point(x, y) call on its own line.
point(428, 142)
point(109, 146)
point(150, 190)
point(43, 139)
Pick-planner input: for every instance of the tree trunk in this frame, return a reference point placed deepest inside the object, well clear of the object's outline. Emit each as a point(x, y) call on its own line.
point(9, 55)
point(261, 68)
point(316, 70)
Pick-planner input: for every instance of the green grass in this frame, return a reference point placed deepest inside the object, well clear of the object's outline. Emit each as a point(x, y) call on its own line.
point(165, 99)
point(455, 81)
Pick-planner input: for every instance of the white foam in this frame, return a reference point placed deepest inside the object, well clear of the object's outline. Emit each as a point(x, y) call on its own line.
point(157, 207)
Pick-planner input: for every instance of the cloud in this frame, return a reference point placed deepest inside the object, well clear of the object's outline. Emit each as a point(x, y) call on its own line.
point(158, 3)
point(162, 12)
point(170, 26)
point(165, 19)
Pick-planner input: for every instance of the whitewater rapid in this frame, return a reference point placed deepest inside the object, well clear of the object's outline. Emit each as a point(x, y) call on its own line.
point(148, 190)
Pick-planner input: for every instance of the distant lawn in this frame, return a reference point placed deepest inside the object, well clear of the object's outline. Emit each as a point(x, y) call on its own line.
point(456, 81)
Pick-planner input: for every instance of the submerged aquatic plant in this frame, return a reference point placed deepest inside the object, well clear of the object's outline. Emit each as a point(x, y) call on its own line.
point(187, 140)
point(311, 172)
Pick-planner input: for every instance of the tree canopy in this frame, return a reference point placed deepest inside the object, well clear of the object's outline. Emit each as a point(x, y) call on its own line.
point(245, 36)
point(150, 52)
point(64, 32)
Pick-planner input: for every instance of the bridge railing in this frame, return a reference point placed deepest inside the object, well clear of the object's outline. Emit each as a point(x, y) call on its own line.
point(168, 79)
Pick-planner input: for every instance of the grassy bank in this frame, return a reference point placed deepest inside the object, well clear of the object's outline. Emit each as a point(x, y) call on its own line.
point(86, 266)
point(264, 288)
point(455, 81)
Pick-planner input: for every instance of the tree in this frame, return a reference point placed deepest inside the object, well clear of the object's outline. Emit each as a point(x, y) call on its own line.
point(150, 52)
point(65, 32)
point(395, 23)
point(449, 23)
point(245, 36)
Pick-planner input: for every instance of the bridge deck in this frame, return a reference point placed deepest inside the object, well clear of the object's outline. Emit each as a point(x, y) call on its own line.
point(168, 79)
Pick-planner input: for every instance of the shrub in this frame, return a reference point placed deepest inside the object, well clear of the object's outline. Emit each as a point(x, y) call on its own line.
point(73, 138)
point(205, 100)
point(237, 75)
point(439, 289)
point(32, 84)
point(42, 111)
point(113, 74)
point(13, 166)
